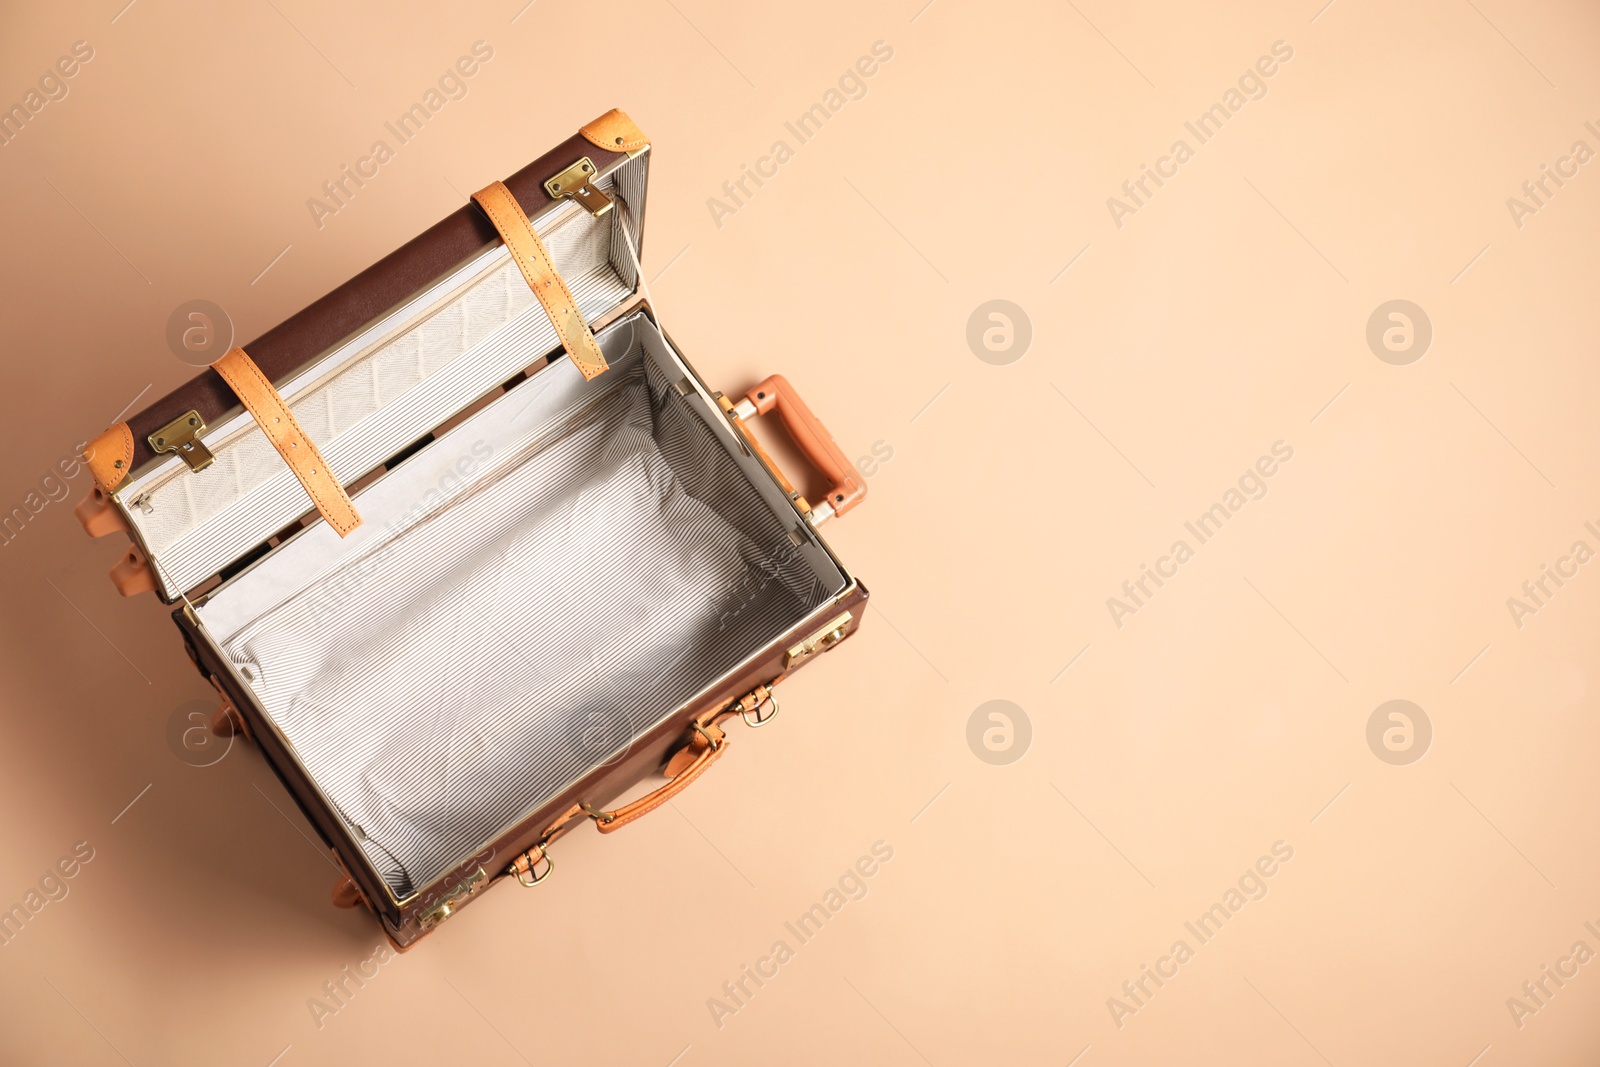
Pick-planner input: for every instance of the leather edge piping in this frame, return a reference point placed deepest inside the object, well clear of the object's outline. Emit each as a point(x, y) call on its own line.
point(109, 456)
point(615, 132)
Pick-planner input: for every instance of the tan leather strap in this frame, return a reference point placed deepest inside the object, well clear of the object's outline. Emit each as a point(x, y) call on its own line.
point(708, 747)
point(297, 450)
point(534, 262)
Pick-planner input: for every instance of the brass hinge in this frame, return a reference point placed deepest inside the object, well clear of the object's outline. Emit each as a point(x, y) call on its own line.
point(820, 641)
point(182, 435)
point(574, 182)
point(453, 900)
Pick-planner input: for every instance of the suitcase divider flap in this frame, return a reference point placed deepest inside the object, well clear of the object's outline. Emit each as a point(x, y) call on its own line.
point(377, 365)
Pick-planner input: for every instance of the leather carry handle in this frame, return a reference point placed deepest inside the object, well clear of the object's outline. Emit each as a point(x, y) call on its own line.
point(705, 747)
point(708, 745)
point(846, 487)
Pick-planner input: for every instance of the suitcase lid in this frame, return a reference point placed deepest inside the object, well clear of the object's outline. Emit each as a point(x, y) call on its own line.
point(373, 368)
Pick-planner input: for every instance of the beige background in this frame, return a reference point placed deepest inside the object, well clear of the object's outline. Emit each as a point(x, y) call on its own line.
point(1168, 754)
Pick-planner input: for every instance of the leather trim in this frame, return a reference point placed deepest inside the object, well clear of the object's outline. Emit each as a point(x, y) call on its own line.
point(707, 749)
point(542, 277)
point(615, 132)
point(109, 457)
point(283, 430)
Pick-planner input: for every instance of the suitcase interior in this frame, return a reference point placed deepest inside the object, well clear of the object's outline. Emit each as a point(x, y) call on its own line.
point(552, 569)
point(527, 594)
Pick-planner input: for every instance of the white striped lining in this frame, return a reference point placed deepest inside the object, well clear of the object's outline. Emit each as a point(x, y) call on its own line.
point(517, 638)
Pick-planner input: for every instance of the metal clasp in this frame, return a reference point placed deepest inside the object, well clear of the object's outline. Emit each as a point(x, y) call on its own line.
point(182, 435)
point(760, 719)
point(820, 641)
point(595, 813)
point(574, 182)
point(526, 868)
point(453, 900)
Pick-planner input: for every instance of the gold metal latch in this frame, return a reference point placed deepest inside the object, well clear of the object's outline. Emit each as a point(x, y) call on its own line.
point(453, 900)
point(820, 641)
point(182, 435)
point(575, 182)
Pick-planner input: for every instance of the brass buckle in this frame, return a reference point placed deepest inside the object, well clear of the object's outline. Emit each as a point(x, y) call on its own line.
point(532, 876)
point(760, 720)
point(595, 813)
point(182, 435)
point(714, 742)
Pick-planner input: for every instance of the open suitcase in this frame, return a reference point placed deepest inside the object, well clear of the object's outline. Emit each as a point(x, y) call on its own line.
point(462, 590)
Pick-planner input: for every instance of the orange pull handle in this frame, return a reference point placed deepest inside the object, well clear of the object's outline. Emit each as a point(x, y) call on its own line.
point(708, 745)
point(846, 487)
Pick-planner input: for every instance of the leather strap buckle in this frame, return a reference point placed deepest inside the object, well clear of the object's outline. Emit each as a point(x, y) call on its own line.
point(760, 719)
point(713, 743)
point(526, 867)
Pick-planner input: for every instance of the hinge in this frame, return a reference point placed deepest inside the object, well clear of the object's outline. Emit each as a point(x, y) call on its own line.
point(182, 435)
point(575, 182)
point(820, 641)
point(453, 900)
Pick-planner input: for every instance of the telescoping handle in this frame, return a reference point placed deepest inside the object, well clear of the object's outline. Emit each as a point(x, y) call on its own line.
point(846, 487)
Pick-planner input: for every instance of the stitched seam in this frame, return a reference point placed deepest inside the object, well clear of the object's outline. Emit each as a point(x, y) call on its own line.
point(103, 465)
point(593, 132)
point(125, 440)
point(612, 145)
point(270, 400)
point(682, 782)
point(590, 356)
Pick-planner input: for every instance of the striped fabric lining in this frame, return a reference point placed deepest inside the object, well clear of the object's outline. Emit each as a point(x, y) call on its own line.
point(524, 636)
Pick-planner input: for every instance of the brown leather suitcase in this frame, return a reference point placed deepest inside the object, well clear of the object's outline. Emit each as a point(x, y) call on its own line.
point(469, 550)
